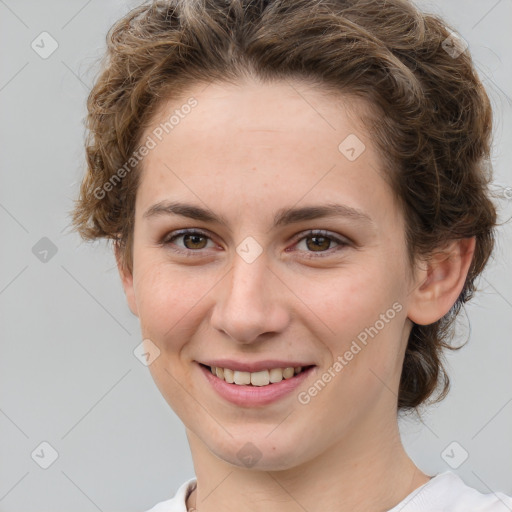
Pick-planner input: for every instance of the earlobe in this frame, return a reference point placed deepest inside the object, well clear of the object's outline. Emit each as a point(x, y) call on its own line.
point(440, 283)
point(127, 281)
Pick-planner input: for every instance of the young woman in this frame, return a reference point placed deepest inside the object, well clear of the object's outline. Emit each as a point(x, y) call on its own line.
point(297, 195)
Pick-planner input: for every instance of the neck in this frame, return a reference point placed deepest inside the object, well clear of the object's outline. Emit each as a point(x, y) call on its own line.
point(369, 471)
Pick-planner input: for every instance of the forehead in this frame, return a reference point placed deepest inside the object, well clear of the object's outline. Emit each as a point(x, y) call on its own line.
point(284, 106)
point(278, 141)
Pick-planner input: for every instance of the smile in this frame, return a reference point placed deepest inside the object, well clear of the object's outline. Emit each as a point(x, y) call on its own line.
point(251, 389)
point(261, 378)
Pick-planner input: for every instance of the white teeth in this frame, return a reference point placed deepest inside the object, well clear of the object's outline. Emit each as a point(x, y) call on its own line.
point(261, 378)
point(288, 373)
point(229, 375)
point(276, 375)
point(242, 377)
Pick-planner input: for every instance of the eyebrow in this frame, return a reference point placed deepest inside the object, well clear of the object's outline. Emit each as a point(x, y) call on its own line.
point(283, 216)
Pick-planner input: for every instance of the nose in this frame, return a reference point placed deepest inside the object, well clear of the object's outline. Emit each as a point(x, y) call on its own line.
point(250, 302)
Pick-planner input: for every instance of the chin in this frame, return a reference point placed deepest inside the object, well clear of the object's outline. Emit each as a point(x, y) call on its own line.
point(260, 453)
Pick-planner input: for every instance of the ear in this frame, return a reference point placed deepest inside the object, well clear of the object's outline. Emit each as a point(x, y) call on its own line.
point(127, 280)
point(440, 283)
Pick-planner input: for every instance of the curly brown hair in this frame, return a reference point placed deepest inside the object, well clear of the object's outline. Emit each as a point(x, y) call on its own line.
point(432, 122)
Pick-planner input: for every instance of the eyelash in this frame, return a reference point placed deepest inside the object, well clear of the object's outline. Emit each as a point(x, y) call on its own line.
point(167, 242)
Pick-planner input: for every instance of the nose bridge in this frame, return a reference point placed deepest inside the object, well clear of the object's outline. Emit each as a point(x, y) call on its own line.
point(248, 280)
point(247, 306)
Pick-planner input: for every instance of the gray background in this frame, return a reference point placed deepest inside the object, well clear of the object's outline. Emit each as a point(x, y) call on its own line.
point(68, 375)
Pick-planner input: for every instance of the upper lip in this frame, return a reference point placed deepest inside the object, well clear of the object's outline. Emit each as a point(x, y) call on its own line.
point(255, 366)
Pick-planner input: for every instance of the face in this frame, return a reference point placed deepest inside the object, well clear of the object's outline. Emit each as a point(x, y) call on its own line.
point(266, 273)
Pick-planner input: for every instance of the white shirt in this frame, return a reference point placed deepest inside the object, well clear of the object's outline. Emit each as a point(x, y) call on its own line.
point(445, 492)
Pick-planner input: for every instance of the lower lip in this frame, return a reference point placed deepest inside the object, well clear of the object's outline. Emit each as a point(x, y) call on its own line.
point(255, 395)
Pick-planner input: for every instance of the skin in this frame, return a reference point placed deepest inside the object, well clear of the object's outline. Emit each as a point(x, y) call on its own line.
point(244, 152)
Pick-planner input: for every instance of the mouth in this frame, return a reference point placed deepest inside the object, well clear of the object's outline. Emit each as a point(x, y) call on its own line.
point(255, 389)
point(260, 378)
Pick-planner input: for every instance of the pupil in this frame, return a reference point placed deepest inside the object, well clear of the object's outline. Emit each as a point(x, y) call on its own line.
point(195, 240)
point(318, 244)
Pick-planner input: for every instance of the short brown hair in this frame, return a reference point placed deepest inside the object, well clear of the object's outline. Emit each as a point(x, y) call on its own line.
point(433, 125)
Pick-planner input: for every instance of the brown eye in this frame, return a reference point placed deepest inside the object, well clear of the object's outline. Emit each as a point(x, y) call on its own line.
point(187, 241)
point(194, 241)
point(320, 243)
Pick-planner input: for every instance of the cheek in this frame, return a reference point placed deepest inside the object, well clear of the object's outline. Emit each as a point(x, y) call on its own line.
point(365, 312)
point(350, 299)
point(168, 299)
